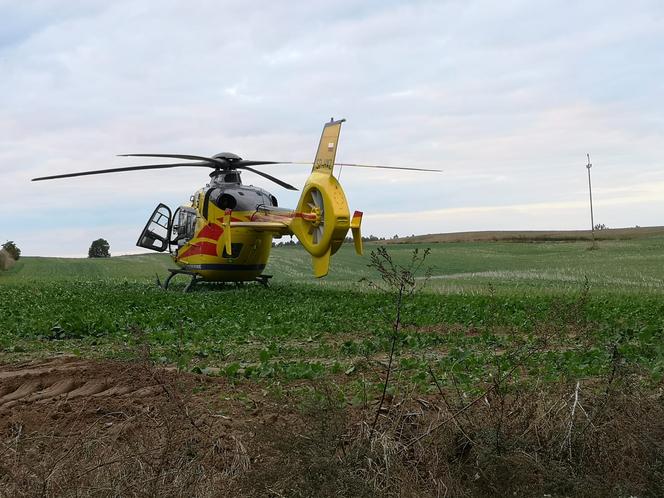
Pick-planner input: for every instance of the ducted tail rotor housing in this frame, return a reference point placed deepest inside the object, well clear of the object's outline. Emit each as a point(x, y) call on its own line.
point(323, 216)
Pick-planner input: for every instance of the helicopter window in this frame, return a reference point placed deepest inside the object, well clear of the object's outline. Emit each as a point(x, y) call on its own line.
point(274, 201)
point(155, 233)
point(235, 251)
point(186, 225)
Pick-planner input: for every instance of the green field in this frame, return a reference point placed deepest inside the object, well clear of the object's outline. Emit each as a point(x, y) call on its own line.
point(100, 307)
point(618, 266)
point(495, 351)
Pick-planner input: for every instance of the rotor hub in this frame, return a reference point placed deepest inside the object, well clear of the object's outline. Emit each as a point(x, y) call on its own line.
point(227, 156)
point(315, 217)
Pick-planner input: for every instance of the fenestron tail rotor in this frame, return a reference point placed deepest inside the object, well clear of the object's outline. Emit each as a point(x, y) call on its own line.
point(316, 216)
point(322, 216)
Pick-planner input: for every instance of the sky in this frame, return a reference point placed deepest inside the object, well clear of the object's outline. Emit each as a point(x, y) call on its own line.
point(507, 98)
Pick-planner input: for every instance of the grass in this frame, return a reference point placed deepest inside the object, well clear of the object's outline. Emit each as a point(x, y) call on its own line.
point(501, 292)
point(535, 235)
point(40, 270)
point(503, 340)
point(618, 267)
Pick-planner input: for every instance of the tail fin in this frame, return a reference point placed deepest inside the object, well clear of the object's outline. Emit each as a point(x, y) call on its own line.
point(327, 147)
point(322, 217)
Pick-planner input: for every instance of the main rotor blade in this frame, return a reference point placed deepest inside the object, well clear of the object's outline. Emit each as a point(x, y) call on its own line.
point(242, 163)
point(211, 160)
point(387, 167)
point(374, 166)
point(269, 177)
point(118, 170)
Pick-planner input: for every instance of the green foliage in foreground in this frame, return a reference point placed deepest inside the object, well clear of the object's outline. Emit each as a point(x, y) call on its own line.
point(488, 307)
point(305, 331)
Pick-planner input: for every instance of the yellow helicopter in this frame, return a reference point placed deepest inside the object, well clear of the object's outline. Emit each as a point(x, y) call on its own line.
point(225, 233)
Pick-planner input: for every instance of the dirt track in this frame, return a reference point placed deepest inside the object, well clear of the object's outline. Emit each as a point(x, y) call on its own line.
point(73, 427)
point(82, 427)
point(67, 379)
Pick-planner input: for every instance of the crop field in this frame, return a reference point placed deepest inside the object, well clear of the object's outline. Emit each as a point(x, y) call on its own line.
point(525, 368)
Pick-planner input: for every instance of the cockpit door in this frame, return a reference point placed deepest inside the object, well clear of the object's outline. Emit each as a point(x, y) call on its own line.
point(156, 232)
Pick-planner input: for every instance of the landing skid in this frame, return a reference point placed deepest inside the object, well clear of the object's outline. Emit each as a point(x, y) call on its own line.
point(264, 280)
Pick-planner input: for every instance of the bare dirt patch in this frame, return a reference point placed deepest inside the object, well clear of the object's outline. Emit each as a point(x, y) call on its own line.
point(72, 427)
point(79, 427)
point(67, 379)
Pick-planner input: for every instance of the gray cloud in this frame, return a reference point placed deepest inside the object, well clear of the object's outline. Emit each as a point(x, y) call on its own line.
point(506, 97)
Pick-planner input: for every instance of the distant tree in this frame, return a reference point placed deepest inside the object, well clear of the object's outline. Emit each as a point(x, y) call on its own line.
point(12, 249)
point(601, 226)
point(100, 248)
point(370, 238)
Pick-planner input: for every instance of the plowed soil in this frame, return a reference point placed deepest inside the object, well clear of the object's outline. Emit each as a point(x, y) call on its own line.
point(42, 384)
point(82, 427)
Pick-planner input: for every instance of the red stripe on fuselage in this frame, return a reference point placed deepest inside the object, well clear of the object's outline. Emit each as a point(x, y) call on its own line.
point(232, 219)
point(206, 248)
point(211, 231)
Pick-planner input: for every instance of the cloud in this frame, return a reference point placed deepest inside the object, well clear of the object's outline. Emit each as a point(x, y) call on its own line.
point(74, 242)
point(506, 98)
point(537, 216)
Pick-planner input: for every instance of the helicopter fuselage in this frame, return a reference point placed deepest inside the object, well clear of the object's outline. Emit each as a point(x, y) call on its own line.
point(194, 233)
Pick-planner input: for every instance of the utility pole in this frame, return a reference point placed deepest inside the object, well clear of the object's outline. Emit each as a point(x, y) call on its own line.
point(590, 190)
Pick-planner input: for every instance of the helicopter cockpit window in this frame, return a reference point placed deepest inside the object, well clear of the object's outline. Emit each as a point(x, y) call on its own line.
point(184, 226)
point(274, 201)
